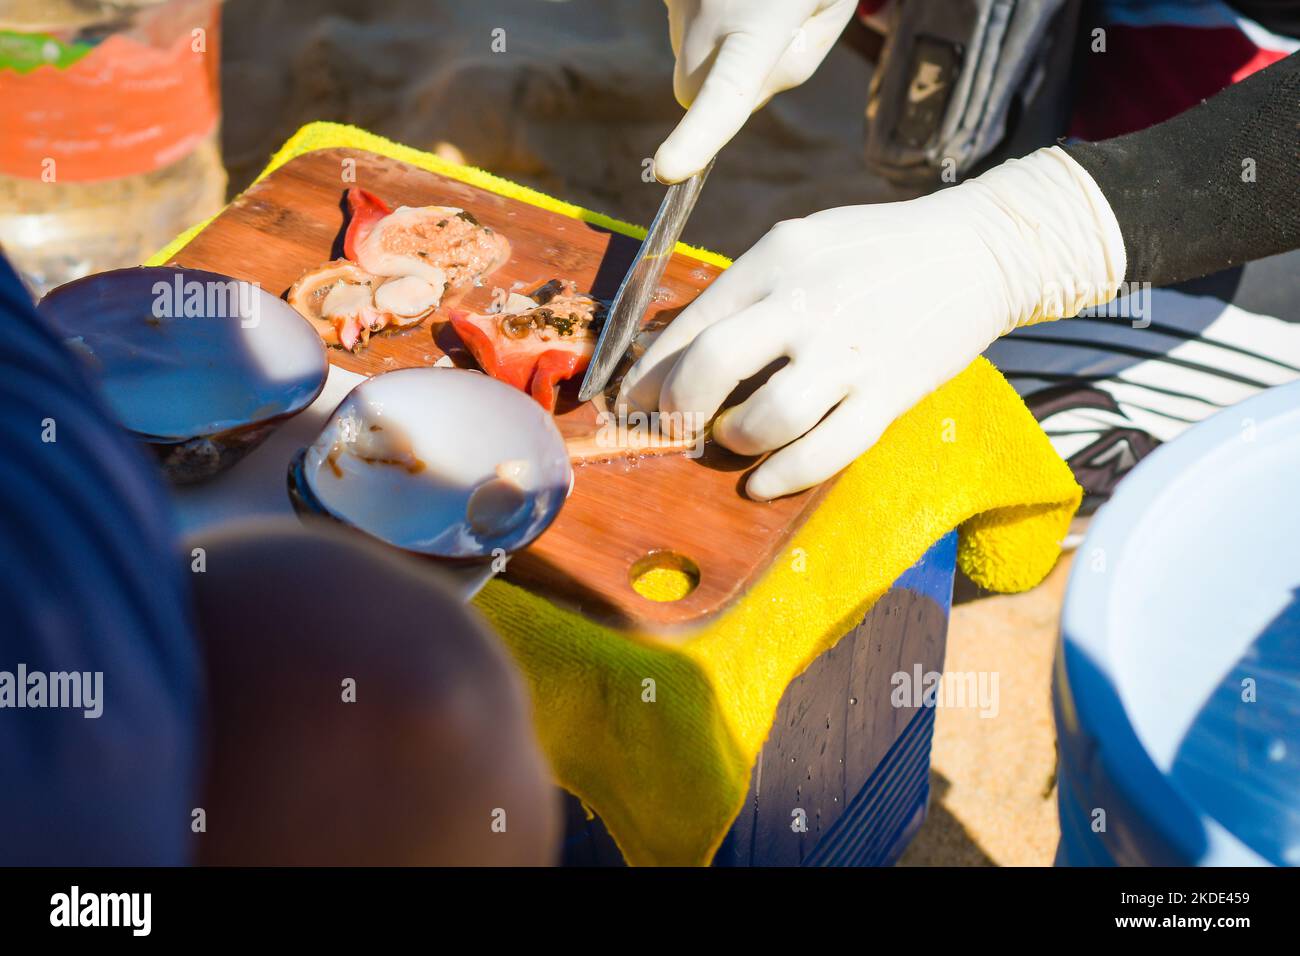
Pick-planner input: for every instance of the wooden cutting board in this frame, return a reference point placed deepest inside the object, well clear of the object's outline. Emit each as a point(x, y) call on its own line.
point(622, 515)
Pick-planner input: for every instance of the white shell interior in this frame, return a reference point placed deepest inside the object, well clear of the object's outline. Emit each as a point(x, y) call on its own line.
point(187, 354)
point(406, 450)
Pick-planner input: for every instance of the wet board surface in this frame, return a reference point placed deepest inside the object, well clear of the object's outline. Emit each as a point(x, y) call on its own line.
point(620, 511)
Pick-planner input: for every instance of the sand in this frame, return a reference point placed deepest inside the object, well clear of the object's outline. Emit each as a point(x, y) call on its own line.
point(578, 101)
point(993, 780)
point(575, 105)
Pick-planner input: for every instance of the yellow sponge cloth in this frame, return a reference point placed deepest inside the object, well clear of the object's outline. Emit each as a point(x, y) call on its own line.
point(669, 775)
point(660, 739)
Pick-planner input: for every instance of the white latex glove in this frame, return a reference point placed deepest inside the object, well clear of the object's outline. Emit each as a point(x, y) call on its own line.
point(732, 57)
point(875, 307)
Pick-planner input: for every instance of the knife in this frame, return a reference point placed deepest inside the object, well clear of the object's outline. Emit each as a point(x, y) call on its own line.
point(638, 286)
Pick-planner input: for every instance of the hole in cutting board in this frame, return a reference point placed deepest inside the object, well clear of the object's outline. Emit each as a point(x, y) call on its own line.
point(664, 575)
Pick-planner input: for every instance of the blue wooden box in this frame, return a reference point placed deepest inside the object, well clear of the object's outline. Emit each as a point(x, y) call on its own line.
point(840, 750)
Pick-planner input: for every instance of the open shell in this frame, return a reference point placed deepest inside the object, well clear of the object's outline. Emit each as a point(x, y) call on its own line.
point(197, 365)
point(436, 461)
point(345, 303)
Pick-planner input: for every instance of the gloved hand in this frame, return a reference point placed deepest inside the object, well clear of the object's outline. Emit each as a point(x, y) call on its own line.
point(875, 307)
point(732, 57)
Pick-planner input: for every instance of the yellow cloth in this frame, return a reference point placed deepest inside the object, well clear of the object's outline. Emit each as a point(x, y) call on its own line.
point(669, 777)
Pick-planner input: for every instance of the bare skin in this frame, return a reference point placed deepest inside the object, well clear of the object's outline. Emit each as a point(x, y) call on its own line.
point(414, 772)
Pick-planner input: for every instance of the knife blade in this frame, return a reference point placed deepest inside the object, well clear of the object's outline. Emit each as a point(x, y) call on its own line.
point(638, 286)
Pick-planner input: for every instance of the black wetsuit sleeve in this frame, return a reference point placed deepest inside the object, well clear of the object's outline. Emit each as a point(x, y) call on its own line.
point(1213, 187)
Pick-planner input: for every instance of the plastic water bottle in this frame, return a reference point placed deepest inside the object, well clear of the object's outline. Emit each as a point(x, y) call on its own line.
point(109, 131)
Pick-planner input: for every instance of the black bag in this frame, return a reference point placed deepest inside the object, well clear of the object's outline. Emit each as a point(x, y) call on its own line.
point(960, 81)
